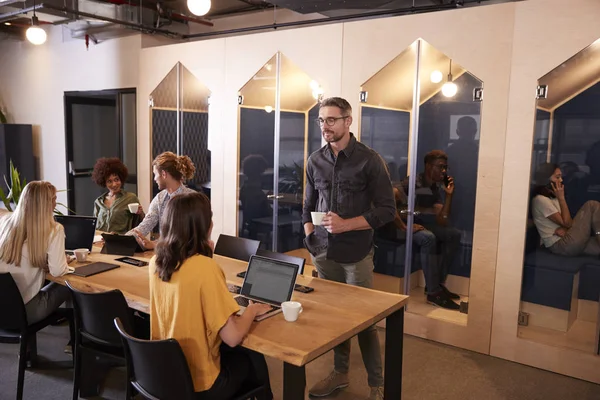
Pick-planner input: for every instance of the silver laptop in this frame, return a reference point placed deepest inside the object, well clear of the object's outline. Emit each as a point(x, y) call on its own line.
point(267, 281)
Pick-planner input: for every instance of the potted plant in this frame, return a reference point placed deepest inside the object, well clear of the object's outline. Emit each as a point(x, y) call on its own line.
point(15, 187)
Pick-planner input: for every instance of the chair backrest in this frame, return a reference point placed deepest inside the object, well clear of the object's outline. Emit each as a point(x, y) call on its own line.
point(283, 257)
point(236, 247)
point(13, 315)
point(158, 368)
point(95, 313)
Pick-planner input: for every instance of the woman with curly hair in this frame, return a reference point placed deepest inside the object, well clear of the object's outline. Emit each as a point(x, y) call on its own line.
point(111, 208)
point(170, 173)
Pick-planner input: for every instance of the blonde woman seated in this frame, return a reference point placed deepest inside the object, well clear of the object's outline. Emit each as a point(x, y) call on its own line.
point(189, 302)
point(560, 233)
point(31, 244)
point(112, 207)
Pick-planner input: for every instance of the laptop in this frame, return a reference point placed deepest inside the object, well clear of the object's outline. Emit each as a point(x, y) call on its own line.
point(79, 231)
point(267, 281)
point(122, 245)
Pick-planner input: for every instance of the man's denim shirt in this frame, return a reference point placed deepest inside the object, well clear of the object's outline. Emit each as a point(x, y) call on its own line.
point(354, 184)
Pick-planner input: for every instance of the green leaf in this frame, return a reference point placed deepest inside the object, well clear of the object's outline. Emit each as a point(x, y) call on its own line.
point(2, 118)
point(5, 200)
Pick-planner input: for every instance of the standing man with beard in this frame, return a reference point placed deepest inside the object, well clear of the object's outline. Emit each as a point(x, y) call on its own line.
point(350, 182)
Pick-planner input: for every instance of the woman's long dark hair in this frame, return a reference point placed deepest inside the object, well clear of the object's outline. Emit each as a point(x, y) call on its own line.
point(543, 173)
point(183, 233)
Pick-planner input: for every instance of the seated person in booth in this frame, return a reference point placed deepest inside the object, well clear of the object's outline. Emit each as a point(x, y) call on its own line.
point(428, 255)
point(190, 302)
point(350, 182)
point(560, 233)
point(254, 201)
point(433, 219)
point(112, 207)
point(31, 244)
point(170, 173)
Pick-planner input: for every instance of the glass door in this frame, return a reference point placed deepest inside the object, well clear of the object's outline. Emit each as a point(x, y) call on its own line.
point(276, 137)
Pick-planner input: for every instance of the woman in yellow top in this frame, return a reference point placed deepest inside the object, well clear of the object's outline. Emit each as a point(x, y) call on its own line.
point(189, 302)
point(111, 208)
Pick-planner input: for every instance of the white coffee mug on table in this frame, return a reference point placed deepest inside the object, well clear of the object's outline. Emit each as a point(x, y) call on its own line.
point(291, 310)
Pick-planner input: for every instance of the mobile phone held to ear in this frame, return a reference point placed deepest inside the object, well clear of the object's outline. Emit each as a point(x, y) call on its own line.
point(446, 180)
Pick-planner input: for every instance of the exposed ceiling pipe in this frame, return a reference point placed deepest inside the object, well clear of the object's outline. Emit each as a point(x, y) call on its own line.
point(140, 27)
point(10, 15)
point(366, 15)
point(173, 14)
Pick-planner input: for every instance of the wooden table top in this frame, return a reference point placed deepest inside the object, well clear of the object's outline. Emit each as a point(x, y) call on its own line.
point(333, 313)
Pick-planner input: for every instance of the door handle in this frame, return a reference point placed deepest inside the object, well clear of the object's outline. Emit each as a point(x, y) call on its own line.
point(73, 172)
point(278, 197)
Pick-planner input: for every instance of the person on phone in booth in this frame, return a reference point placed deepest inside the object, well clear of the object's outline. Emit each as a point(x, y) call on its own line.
point(560, 233)
point(350, 182)
point(432, 219)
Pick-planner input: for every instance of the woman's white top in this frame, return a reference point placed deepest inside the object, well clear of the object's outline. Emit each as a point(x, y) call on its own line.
point(30, 279)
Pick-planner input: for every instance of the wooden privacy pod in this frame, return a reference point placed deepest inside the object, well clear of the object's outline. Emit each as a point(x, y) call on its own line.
point(559, 300)
point(179, 113)
point(277, 133)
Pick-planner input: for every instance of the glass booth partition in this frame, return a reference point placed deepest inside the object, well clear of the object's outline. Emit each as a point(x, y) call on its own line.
point(561, 269)
point(179, 123)
point(421, 113)
point(276, 135)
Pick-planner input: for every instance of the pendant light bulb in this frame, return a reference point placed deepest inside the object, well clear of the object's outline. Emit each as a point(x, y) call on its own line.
point(449, 89)
point(35, 34)
point(199, 7)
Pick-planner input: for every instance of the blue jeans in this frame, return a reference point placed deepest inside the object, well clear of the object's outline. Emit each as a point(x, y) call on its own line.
point(432, 268)
point(357, 274)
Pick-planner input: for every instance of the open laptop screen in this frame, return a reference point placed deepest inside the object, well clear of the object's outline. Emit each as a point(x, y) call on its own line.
point(79, 231)
point(269, 280)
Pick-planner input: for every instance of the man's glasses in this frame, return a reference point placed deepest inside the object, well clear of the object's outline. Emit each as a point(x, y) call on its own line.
point(330, 121)
point(441, 166)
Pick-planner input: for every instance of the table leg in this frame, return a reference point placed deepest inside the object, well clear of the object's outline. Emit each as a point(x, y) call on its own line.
point(294, 382)
point(394, 343)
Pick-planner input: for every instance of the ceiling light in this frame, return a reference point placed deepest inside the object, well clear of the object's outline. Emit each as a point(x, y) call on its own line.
point(7, 24)
point(199, 7)
point(268, 109)
point(268, 67)
point(314, 85)
point(35, 34)
point(318, 92)
point(436, 76)
point(449, 89)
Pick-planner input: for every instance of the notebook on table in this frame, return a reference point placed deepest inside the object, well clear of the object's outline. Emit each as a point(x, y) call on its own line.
point(92, 269)
point(267, 281)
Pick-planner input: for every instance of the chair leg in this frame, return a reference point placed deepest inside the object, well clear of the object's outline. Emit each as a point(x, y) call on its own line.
point(22, 365)
point(76, 370)
point(32, 350)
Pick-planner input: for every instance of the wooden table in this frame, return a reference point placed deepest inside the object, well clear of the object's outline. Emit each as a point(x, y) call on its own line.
point(333, 313)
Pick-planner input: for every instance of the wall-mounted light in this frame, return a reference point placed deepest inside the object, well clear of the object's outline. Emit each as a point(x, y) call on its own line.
point(449, 89)
point(199, 7)
point(35, 34)
point(436, 76)
point(7, 24)
point(269, 109)
point(317, 90)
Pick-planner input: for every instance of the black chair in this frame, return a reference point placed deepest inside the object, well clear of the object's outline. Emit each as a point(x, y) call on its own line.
point(236, 247)
point(15, 329)
point(95, 331)
point(159, 369)
point(283, 257)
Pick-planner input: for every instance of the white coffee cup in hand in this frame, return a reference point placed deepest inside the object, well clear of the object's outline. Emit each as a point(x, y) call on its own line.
point(133, 207)
point(81, 254)
point(317, 217)
point(291, 310)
